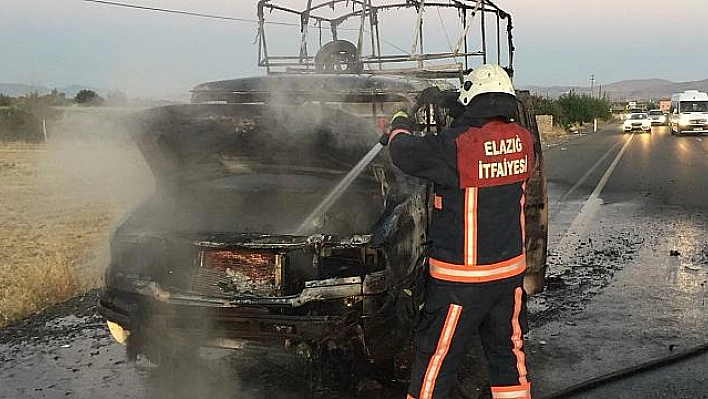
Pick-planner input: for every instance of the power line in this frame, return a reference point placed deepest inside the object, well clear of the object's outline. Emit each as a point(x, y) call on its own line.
point(210, 16)
point(179, 12)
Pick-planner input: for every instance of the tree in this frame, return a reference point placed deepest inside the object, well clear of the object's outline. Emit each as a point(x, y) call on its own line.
point(571, 108)
point(547, 106)
point(88, 97)
point(583, 108)
point(24, 117)
point(5, 100)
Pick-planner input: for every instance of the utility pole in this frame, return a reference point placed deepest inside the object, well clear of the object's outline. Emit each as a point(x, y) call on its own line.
point(592, 85)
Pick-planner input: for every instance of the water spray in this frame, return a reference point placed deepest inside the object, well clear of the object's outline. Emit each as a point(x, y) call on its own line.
point(341, 187)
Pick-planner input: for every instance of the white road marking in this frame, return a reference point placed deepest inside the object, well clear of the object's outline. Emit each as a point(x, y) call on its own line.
point(587, 174)
point(699, 139)
point(578, 229)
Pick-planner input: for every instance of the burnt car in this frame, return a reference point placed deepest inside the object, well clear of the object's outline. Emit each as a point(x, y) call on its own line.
point(276, 219)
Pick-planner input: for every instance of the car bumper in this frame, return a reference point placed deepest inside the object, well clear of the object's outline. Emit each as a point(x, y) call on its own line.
point(642, 127)
point(694, 129)
point(222, 322)
point(222, 327)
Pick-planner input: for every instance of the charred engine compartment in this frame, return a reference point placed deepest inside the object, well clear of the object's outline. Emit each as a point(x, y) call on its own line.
point(244, 268)
point(234, 181)
point(214, 255)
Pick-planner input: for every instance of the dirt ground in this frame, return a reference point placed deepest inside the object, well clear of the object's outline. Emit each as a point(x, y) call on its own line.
point(60, 200)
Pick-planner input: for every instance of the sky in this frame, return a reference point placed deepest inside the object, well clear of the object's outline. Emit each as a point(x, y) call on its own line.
point(56, 43)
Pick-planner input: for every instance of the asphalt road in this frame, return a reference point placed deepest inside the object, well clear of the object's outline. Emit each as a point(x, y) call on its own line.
point(681, 380)
point(634, 207)
point(628, 263)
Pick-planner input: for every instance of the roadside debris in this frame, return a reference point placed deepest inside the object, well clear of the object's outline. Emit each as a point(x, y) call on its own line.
point(593, 267)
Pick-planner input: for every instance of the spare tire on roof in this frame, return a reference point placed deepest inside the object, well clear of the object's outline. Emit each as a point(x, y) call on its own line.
point(338, 56)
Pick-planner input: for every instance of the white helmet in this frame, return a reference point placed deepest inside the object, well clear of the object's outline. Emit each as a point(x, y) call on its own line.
point(488, 78)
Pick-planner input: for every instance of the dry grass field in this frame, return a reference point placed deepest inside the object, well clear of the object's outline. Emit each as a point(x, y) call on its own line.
point(59, 202)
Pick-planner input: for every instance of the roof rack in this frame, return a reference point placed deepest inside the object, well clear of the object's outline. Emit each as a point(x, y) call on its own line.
point(357, 36)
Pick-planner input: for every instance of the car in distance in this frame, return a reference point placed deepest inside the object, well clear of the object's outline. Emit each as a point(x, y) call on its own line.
point(689, 112)
point(637, 121)
point(658, 118)
point(632, 111)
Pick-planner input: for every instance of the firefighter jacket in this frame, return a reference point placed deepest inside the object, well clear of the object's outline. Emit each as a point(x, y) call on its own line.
point(479, 168)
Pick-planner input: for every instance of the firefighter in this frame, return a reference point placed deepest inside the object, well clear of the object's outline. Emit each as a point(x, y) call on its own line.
point(479, 167)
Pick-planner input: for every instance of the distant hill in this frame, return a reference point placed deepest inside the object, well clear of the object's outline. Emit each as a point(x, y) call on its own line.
point(639, 89)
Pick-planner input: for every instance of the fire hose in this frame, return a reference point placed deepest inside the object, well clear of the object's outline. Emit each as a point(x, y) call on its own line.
point(628, 372)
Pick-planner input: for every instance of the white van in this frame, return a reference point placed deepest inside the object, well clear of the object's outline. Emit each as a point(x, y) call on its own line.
point(689, 112)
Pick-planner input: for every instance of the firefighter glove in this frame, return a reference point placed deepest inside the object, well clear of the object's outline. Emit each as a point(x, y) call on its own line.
point(383, 140)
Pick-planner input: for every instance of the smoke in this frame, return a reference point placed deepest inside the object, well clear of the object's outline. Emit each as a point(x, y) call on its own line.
point(94, 169)
point(255, 168)
point(91, 173)
point(247, 373)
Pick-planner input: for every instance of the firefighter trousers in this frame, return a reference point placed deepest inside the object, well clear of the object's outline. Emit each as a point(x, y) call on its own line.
point(453, 314)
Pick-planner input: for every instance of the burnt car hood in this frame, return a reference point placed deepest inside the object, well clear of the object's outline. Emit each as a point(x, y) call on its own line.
point(257, 168)
point(262, 203)
point(195, 142)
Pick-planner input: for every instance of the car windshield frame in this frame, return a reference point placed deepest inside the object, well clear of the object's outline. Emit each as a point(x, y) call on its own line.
point(694, 106)
point(636, 117)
